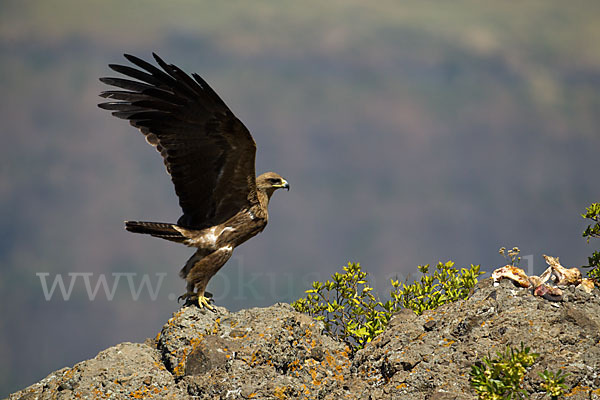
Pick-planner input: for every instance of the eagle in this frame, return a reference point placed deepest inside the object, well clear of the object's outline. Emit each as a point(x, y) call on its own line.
point(210, 156)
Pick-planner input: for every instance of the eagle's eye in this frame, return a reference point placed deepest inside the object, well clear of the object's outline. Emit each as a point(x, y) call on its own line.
point(274, 181)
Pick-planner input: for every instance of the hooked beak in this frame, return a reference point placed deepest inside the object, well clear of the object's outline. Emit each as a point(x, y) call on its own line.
point(284, 185)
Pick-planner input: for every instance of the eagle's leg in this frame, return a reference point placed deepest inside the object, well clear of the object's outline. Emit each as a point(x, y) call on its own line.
point(202, 271)
point(193, 298)
point(189, 296)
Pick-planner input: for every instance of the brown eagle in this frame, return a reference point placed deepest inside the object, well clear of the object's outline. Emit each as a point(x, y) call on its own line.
point(209, 155)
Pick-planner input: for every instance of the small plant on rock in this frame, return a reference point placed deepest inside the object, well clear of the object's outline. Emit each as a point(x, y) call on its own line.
point(512, 256)
point(501, 377)
point(554, 383)
point(593, 231)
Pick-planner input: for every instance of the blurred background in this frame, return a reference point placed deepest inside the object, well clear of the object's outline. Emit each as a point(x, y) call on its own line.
point(411, 132)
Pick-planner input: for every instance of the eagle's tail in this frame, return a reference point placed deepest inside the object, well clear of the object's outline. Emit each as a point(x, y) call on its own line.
point(156, 229)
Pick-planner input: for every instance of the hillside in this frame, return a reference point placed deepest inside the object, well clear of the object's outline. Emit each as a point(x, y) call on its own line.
point(275, 352)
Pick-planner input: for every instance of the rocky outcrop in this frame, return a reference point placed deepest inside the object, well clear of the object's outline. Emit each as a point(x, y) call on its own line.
point(430, 356)
point(272, 352)
point(277, 353)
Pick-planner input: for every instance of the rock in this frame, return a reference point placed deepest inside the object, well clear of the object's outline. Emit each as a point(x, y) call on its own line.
point(565, 334)
point(127, 370)
point(278, 353)
point(262, 353)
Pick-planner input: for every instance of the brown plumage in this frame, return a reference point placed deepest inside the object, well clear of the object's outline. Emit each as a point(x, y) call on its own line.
point(209, 155)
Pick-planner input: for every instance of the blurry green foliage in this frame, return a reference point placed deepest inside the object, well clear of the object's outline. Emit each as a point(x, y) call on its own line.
point(593, 231)
point(351, 312)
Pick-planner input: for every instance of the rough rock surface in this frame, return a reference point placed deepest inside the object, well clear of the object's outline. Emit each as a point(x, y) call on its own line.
point(430, 356)
point(277, 353)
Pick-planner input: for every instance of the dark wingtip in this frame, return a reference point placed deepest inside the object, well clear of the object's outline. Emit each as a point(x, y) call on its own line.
point(133, 59)
point(117, 68)
point(159, 60)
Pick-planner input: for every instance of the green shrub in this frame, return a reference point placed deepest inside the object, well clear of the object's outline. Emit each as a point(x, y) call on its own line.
point(554, 383)
point(347, 307)
point(352, 313)
point(593, 231)
point(446, 285)
point(501, 377)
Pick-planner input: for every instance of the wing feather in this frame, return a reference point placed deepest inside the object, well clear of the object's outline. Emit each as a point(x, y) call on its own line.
point(207, 151)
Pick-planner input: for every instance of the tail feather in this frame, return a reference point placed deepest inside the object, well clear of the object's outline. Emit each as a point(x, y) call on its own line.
point(156, 229)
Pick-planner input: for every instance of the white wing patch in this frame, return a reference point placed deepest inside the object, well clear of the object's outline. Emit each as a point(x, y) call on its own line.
point(210, 237)
point(228, 248)
point(206, 238)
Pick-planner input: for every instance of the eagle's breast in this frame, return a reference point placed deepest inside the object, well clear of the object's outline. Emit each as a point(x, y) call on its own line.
point(244, 225)
point(233, 232)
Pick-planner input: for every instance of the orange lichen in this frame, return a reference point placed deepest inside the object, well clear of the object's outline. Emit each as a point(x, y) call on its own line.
point(159, 365)
point(179, 369)
point(215, 329)
point(279, 392)
point(578, 389)
point(305, 390)
point(98, 394)
point(69, 373)
point(294, 365)
point(146, 392)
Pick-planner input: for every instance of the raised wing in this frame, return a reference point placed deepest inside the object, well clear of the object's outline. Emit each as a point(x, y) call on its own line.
point(208, 152)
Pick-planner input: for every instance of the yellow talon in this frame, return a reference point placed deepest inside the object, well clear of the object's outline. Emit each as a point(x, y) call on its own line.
point(186, 297)
point(201, 301)
point(204, 302)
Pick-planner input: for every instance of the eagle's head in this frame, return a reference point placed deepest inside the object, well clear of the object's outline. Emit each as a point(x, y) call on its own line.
point(271, 181)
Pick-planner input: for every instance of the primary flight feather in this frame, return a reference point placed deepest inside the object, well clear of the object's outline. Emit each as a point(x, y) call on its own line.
point(210, 157)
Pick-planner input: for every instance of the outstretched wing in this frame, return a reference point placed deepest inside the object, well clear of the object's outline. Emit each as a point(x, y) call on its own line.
point(208, 152)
